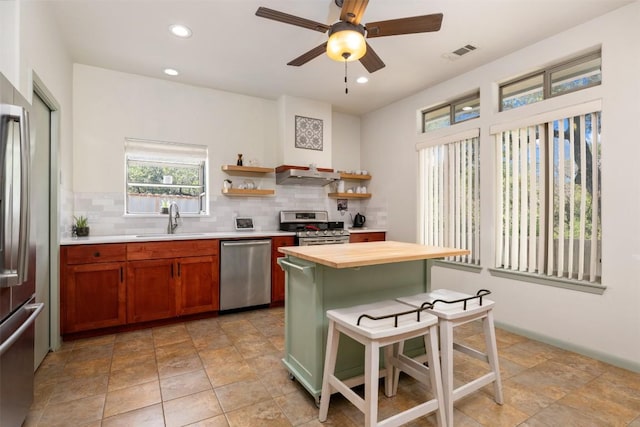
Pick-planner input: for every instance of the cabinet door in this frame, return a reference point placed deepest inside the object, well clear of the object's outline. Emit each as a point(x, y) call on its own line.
point(94, 296)
point(277, 274)
point(376, 236)
point(151, 290)
point(198, 287)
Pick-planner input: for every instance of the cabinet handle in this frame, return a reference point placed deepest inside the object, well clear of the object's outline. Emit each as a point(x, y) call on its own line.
point(96, 254)
point(121, 275)
point(178, 269)
point(171, 269)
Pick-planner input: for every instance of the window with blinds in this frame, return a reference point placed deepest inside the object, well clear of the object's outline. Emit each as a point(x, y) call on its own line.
point(450, 194)
point(548, 201)
point(158, 173)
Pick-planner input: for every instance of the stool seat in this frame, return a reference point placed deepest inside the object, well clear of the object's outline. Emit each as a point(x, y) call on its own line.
point(377, 329)
point(454, 309)
point(383, 325)
point(449, 311)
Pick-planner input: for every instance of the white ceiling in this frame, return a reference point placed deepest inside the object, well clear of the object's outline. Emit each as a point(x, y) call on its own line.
point(232, 49)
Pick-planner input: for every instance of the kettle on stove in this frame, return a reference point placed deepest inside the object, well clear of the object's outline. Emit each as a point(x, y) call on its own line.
point(358, 220)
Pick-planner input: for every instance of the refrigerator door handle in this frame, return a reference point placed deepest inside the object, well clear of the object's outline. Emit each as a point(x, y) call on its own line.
point(36, 308)
point(21, 116)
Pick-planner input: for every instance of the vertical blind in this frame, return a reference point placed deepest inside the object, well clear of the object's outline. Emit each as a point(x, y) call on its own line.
point(450, 201)
point(548, 201)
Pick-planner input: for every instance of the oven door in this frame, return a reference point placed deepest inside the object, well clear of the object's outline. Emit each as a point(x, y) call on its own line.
point(315, 241)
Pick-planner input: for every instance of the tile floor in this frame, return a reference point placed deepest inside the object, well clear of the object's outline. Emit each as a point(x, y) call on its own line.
point(226, 371)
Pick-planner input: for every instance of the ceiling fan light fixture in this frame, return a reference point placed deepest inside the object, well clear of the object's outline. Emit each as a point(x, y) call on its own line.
point(346, 42)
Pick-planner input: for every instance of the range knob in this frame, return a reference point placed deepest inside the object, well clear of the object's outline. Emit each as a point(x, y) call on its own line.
point(325, 232)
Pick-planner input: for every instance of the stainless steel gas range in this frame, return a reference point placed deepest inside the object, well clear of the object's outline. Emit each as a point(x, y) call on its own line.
point(313, 228)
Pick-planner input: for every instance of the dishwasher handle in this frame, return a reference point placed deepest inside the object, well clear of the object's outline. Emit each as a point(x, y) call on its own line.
point(247, 243)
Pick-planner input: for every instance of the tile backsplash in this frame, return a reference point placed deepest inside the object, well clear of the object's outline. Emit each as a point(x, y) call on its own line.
point(106, 212)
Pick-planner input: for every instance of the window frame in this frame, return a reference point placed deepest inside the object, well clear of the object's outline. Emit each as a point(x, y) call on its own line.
point(452, 110)
point(153, 153)
point(546, 74)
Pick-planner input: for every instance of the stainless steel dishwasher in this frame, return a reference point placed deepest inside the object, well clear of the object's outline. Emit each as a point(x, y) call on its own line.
point(245, 273)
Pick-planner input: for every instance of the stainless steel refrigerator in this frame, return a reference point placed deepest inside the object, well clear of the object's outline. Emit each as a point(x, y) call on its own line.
point(18, 309)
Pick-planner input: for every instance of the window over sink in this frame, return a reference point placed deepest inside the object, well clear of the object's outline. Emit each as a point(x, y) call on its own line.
point(159, 173)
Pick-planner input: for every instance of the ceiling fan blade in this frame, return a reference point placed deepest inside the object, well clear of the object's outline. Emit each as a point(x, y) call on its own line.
point(371, 61)
point(415, 24)
point(308, 56)
point(265, 12)
point(352, 10)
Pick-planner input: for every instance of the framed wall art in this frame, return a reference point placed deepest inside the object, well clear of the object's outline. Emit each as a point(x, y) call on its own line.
point(308, 133)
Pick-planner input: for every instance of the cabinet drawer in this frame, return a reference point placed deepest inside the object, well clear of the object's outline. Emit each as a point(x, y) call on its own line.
point(172, 249)
point(88, 254)
point(376, 236)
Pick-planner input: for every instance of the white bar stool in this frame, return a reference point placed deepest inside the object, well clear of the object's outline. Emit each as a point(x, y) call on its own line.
point(377, 325)
point(455, 309)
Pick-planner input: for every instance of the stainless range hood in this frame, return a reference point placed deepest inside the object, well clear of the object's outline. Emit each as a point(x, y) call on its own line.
point(290, 175)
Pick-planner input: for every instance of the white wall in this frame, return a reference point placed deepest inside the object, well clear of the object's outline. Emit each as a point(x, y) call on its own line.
point(9, 47)
point(110, 105)
point(289, 108)
point(42, 52)
point(346, 142)
point(605, 326)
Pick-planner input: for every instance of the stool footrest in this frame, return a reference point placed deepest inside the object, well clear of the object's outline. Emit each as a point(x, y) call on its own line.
point(411, 367)
point(474, 385)
point(343, 389)
point(410, 414)
point(471, 352)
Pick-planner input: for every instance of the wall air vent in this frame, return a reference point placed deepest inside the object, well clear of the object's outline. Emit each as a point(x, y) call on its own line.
point(452, 56)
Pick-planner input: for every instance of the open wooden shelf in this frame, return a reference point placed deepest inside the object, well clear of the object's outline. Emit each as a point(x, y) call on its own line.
point(245, 193)
point(354, 176)
point(245, 169)
point(350, 195)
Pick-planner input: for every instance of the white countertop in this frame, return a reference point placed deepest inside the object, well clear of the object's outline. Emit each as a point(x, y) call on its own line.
point(159, 237)
point(366, 230)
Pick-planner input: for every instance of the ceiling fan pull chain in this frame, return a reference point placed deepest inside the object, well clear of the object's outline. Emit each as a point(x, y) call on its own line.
point(346, 87)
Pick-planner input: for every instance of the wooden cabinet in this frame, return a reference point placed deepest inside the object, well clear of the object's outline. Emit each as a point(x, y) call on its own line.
point(92, 287)
point(375, 236)
point(198, 284)
point(167, 279)
point(151, 290)
point(277, 274)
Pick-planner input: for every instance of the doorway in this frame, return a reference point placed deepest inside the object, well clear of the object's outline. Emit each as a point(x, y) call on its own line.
point(43, 122)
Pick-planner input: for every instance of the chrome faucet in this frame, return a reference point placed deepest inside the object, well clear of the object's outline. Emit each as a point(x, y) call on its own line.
point(174, 214)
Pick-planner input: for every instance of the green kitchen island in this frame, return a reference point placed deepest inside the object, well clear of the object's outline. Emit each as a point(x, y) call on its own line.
point(320, 278)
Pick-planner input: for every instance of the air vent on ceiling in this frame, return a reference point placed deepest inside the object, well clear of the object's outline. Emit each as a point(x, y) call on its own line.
point(452, 56)
point(464, 50)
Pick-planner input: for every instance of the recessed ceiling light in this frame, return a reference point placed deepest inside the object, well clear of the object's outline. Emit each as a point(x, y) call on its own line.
point(467, 108)
point(180, 31)
point(171, 72)
point(362, 80)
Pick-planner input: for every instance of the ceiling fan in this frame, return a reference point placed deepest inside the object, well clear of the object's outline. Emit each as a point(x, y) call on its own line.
point(347, 36)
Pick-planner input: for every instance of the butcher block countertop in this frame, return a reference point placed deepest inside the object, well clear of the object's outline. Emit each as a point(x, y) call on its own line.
point(369, 253)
